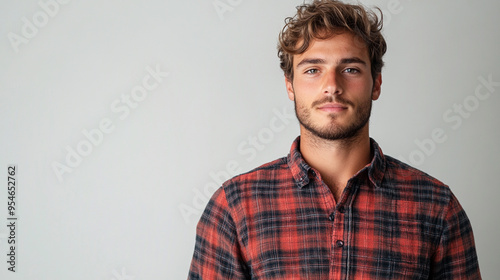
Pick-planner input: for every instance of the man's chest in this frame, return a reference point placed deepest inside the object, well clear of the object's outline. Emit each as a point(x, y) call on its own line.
point(365, 236)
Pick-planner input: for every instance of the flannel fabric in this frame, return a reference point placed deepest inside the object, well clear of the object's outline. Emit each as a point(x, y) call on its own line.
point(280, 221)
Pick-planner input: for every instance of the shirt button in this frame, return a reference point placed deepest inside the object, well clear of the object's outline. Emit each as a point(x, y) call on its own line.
point(341, 209)
point(340, 243)
point(331, 217)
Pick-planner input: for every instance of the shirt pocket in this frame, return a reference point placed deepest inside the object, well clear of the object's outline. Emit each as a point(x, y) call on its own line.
point(402, 270)
point(410, 250)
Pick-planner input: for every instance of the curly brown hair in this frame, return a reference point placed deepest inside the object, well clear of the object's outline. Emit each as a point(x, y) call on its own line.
point(322, 19)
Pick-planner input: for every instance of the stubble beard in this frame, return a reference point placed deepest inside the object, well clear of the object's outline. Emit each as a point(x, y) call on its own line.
point(333, 131)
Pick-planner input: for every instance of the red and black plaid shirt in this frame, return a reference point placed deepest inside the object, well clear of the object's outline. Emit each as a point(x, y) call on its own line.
point(280, 221)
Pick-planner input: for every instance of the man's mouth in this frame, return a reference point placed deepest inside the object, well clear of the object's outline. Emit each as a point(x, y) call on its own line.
point(332, 107)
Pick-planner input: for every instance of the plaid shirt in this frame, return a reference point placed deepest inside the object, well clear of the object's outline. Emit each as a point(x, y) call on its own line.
point(280, 221)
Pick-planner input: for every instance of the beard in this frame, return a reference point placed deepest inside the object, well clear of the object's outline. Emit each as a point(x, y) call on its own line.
point(333, 131)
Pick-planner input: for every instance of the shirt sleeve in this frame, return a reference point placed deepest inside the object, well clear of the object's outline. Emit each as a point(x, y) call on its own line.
point(217, 253)
point(455, 257)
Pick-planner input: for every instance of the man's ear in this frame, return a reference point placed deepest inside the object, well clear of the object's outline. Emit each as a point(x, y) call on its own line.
point(289, 89)
point(377, 87)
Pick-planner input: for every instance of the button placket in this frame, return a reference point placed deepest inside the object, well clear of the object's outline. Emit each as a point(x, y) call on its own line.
point(331, 217)
point(339, 243)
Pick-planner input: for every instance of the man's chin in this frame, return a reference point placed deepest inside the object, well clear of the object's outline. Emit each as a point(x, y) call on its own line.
point(334, 131)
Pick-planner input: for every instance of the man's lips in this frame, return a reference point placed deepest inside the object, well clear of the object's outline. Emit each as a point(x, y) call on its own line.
point(332, 107)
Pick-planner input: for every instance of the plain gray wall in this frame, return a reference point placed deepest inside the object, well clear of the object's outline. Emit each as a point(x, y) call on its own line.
point(130, 205)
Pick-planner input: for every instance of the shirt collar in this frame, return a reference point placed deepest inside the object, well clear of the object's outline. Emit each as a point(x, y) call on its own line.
point(300, 169)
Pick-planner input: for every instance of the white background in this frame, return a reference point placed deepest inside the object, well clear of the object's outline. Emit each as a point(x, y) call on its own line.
point(129, 208)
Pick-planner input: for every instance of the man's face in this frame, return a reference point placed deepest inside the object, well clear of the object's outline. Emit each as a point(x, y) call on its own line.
point(333, 87)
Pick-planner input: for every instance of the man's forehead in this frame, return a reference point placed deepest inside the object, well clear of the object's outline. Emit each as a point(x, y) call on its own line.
point(326, 35)
point(344, 44)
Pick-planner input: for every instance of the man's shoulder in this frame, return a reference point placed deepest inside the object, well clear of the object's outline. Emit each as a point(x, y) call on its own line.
point(265, 171)
point(398, 168)
point(267, 178)
point(407, 178)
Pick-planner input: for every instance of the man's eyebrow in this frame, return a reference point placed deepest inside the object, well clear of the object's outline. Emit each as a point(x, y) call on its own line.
point(352, 60)
point(311, 61)
point(346, 60)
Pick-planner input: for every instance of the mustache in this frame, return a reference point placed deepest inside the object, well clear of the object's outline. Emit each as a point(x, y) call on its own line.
point(330, 99)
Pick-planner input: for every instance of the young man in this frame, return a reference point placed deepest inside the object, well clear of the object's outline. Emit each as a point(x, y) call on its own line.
point(336, 207)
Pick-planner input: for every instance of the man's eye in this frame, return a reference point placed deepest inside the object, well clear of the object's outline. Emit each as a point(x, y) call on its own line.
point(312, 71)
point(351, 70)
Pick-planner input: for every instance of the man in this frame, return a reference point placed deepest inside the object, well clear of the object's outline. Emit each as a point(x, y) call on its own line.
point(336, 207)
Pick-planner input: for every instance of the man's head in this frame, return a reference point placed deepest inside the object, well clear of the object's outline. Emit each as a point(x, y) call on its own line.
point(323, 18)
point(331, 54)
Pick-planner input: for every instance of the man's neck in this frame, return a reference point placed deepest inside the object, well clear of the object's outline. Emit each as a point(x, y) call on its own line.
point(336, 160)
